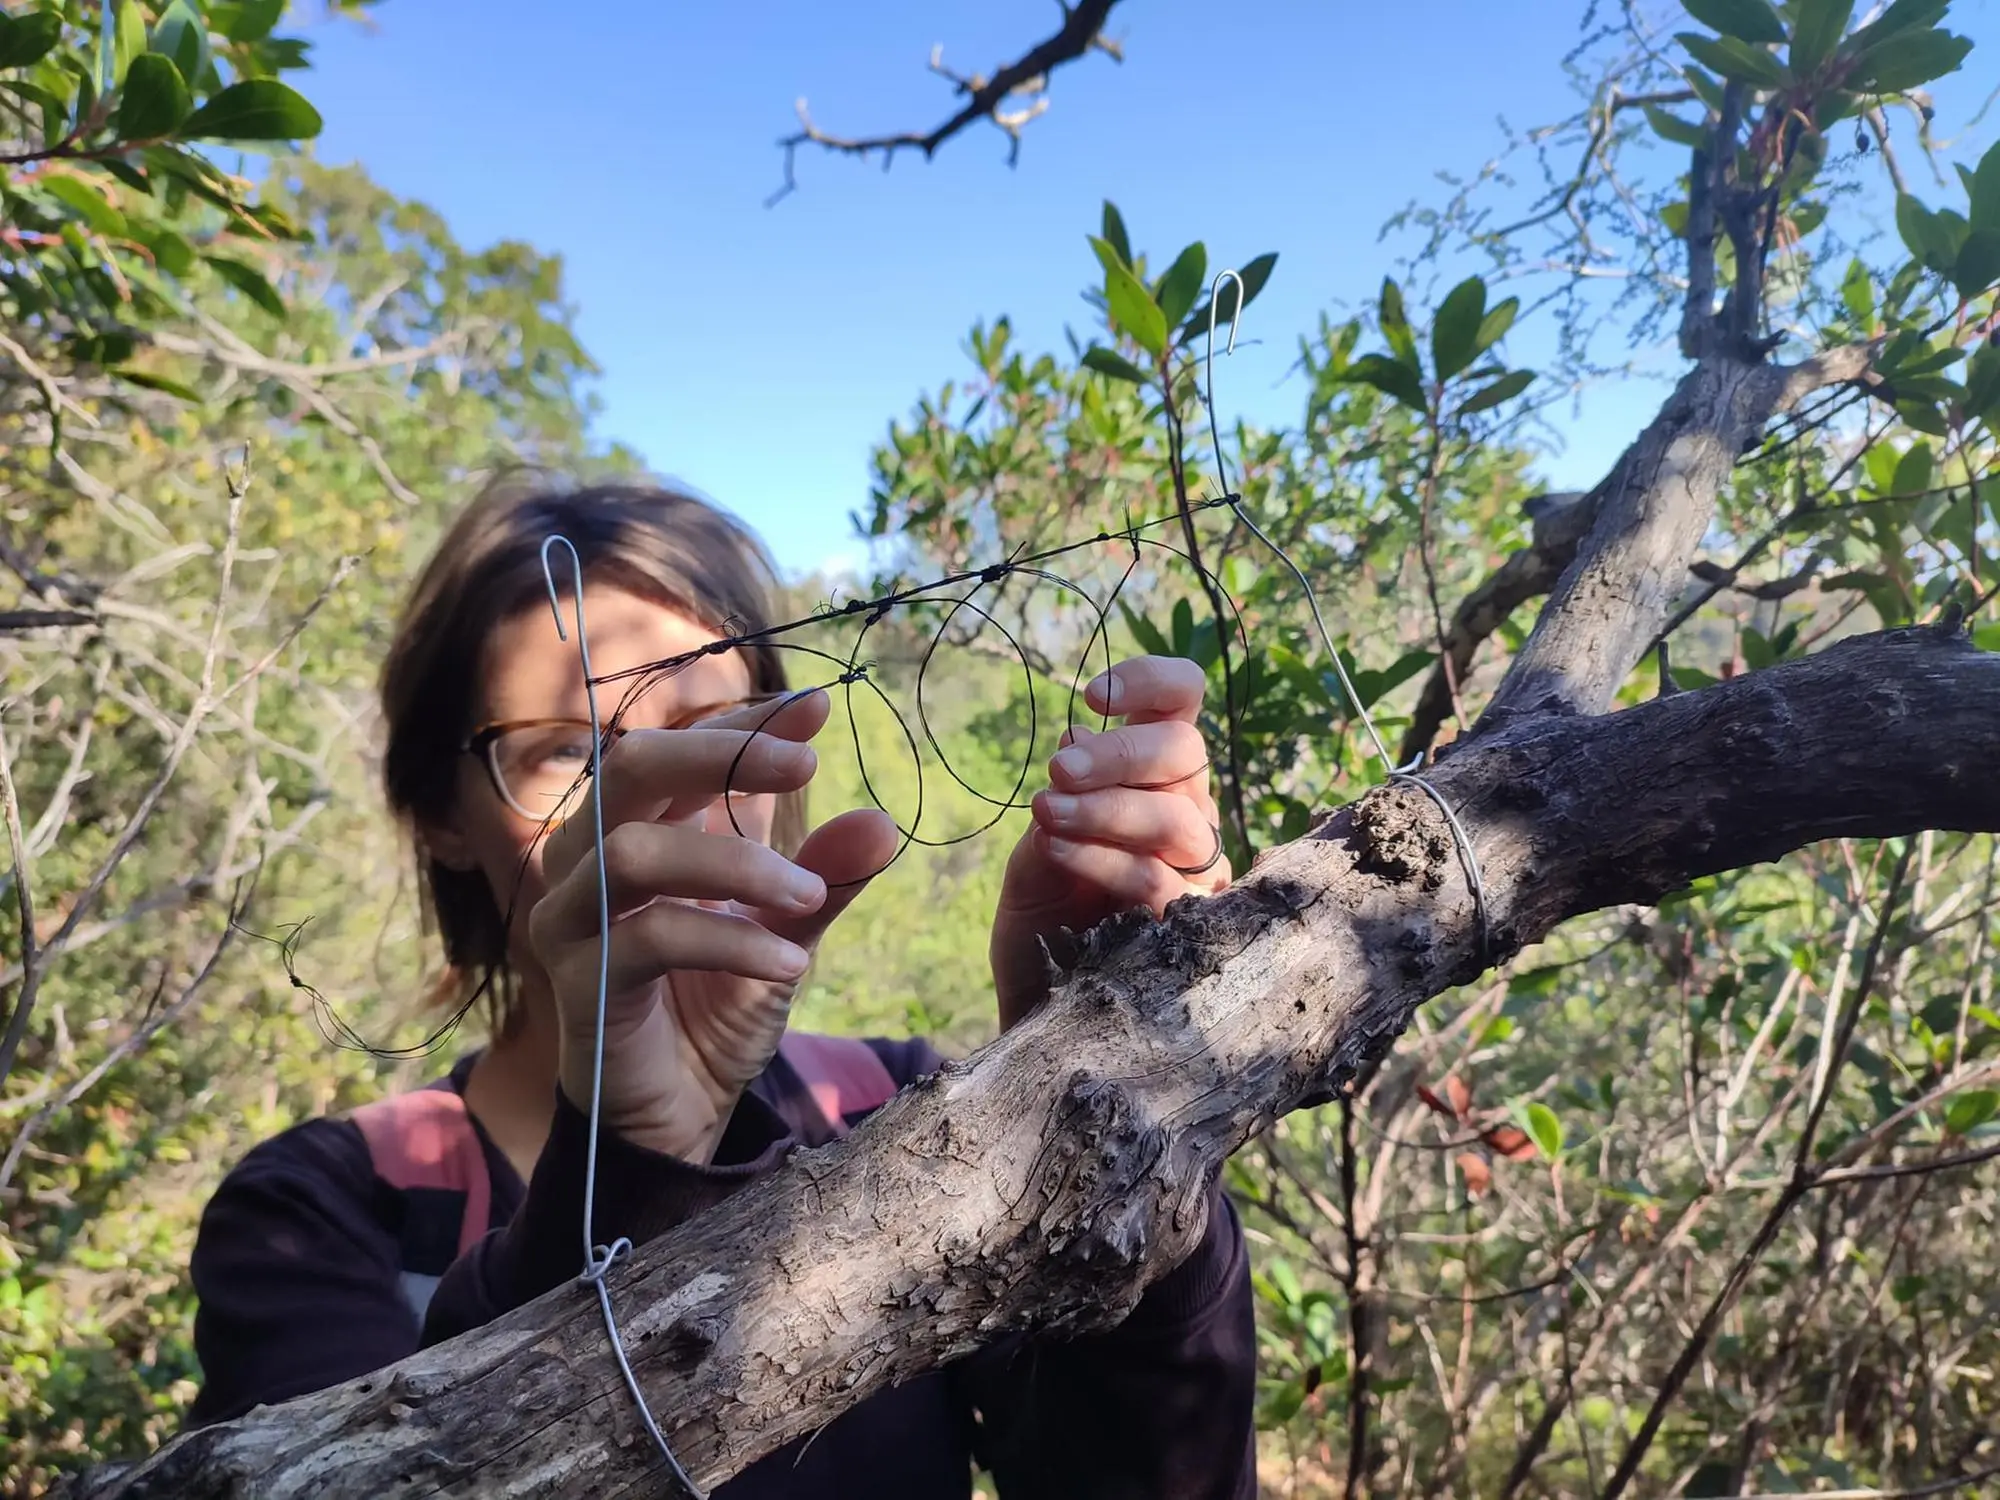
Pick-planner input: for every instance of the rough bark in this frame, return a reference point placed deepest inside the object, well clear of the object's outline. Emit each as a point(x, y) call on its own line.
point(1044, 1183)
point(1651, 512)
point(1527, 574)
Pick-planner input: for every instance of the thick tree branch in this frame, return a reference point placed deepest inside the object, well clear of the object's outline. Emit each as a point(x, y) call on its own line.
point(1046, 1182)
point(986, 98)
point(1650, 513)
point(1561, 522)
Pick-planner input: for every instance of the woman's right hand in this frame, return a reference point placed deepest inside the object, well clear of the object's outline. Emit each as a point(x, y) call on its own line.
point(711, 931)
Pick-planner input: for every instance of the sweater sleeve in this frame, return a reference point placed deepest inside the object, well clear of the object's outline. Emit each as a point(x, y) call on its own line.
point(1161, 1407)
point(641, 1194)
point(295, 1274)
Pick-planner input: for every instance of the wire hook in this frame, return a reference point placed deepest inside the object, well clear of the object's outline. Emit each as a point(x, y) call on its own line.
point(1208, 362)
point(597, 1259)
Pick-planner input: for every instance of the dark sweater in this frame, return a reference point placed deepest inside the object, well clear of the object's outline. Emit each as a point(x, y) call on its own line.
point(297, 1268)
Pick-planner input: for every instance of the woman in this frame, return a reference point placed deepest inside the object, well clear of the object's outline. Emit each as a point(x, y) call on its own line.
point(345, 1244)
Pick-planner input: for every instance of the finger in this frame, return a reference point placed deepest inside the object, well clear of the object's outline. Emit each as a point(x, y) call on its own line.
point(1149, 689)
point(1128, 879)
point(671, 935)
point(670, 774)
point(645, 862)
point(1161, 756)
point(1170, 828)
point(846, 853)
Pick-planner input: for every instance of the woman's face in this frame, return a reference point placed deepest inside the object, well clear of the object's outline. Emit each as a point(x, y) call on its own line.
point(529, 673)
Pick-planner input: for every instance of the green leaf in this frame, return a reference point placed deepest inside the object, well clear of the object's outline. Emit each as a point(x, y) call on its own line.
point(1908, 61)
point(260, 109)
point(1671, 127)
point(1705, 86)
point(1506, 388)
point(129, 41)
point(158, 383)
point(1114, 234)
point(1144, 632)
point(1901, 16)
point(1857, 294)
point(1913, 471)
point(171, 253)
point(1746, 20)
point(181, 35)
point(250, 282)
point(1493, 327)
point(1546, 1129)
point(1134, 311)
point(1455, 330)
point(1977, 264)
point(1982, 384)
point(152, 101)
point(248, 20)
point(86, 202)
point(1970, 1110)
point(1108, 362)
point(26, 39)
point(1906, 1288)
point(1925, 233)
point(1106, 253)
point(1395, 322)
point(1390, 376)
point(1817, 32)
point(1733, 59)
point(1182, 283)
point(1254, 274)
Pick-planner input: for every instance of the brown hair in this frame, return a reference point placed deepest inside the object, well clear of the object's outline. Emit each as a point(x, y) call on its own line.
point(656, 542)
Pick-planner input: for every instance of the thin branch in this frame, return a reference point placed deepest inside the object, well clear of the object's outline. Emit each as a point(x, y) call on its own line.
point(31, 970)
point(985, 97)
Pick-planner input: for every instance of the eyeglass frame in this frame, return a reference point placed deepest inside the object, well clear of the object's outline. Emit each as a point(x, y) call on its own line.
point(482, 739)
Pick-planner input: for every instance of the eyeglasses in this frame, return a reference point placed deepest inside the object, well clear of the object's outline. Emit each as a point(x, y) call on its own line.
point(537, 765)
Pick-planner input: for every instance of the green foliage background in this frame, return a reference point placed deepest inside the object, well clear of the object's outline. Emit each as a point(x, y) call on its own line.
point(235, 413)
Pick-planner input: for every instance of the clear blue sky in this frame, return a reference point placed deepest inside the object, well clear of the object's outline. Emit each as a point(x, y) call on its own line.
point(759, 353)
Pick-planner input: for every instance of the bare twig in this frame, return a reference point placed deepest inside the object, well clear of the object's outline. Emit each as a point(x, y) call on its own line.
point(1082, 32)
point(24, 899)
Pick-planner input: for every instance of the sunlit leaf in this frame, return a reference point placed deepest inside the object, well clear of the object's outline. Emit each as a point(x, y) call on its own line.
point(86, 202)
point(157, 382)
point(1134, 311)
point(260, 109)
point(1970, 1110)
point(1546, 1129)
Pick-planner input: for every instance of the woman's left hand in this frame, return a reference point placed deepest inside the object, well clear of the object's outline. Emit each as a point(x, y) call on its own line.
point(1127, 822)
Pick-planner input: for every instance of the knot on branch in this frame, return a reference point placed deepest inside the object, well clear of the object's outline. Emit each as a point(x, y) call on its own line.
point(1398, 836)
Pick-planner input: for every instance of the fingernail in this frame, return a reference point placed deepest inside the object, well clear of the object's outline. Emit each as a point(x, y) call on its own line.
point(791, 956)
point(1074, 763)
point(805, 889)
point(1107, 686)
point(1058, 848)
point(1059, 808)
point(793, 757)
